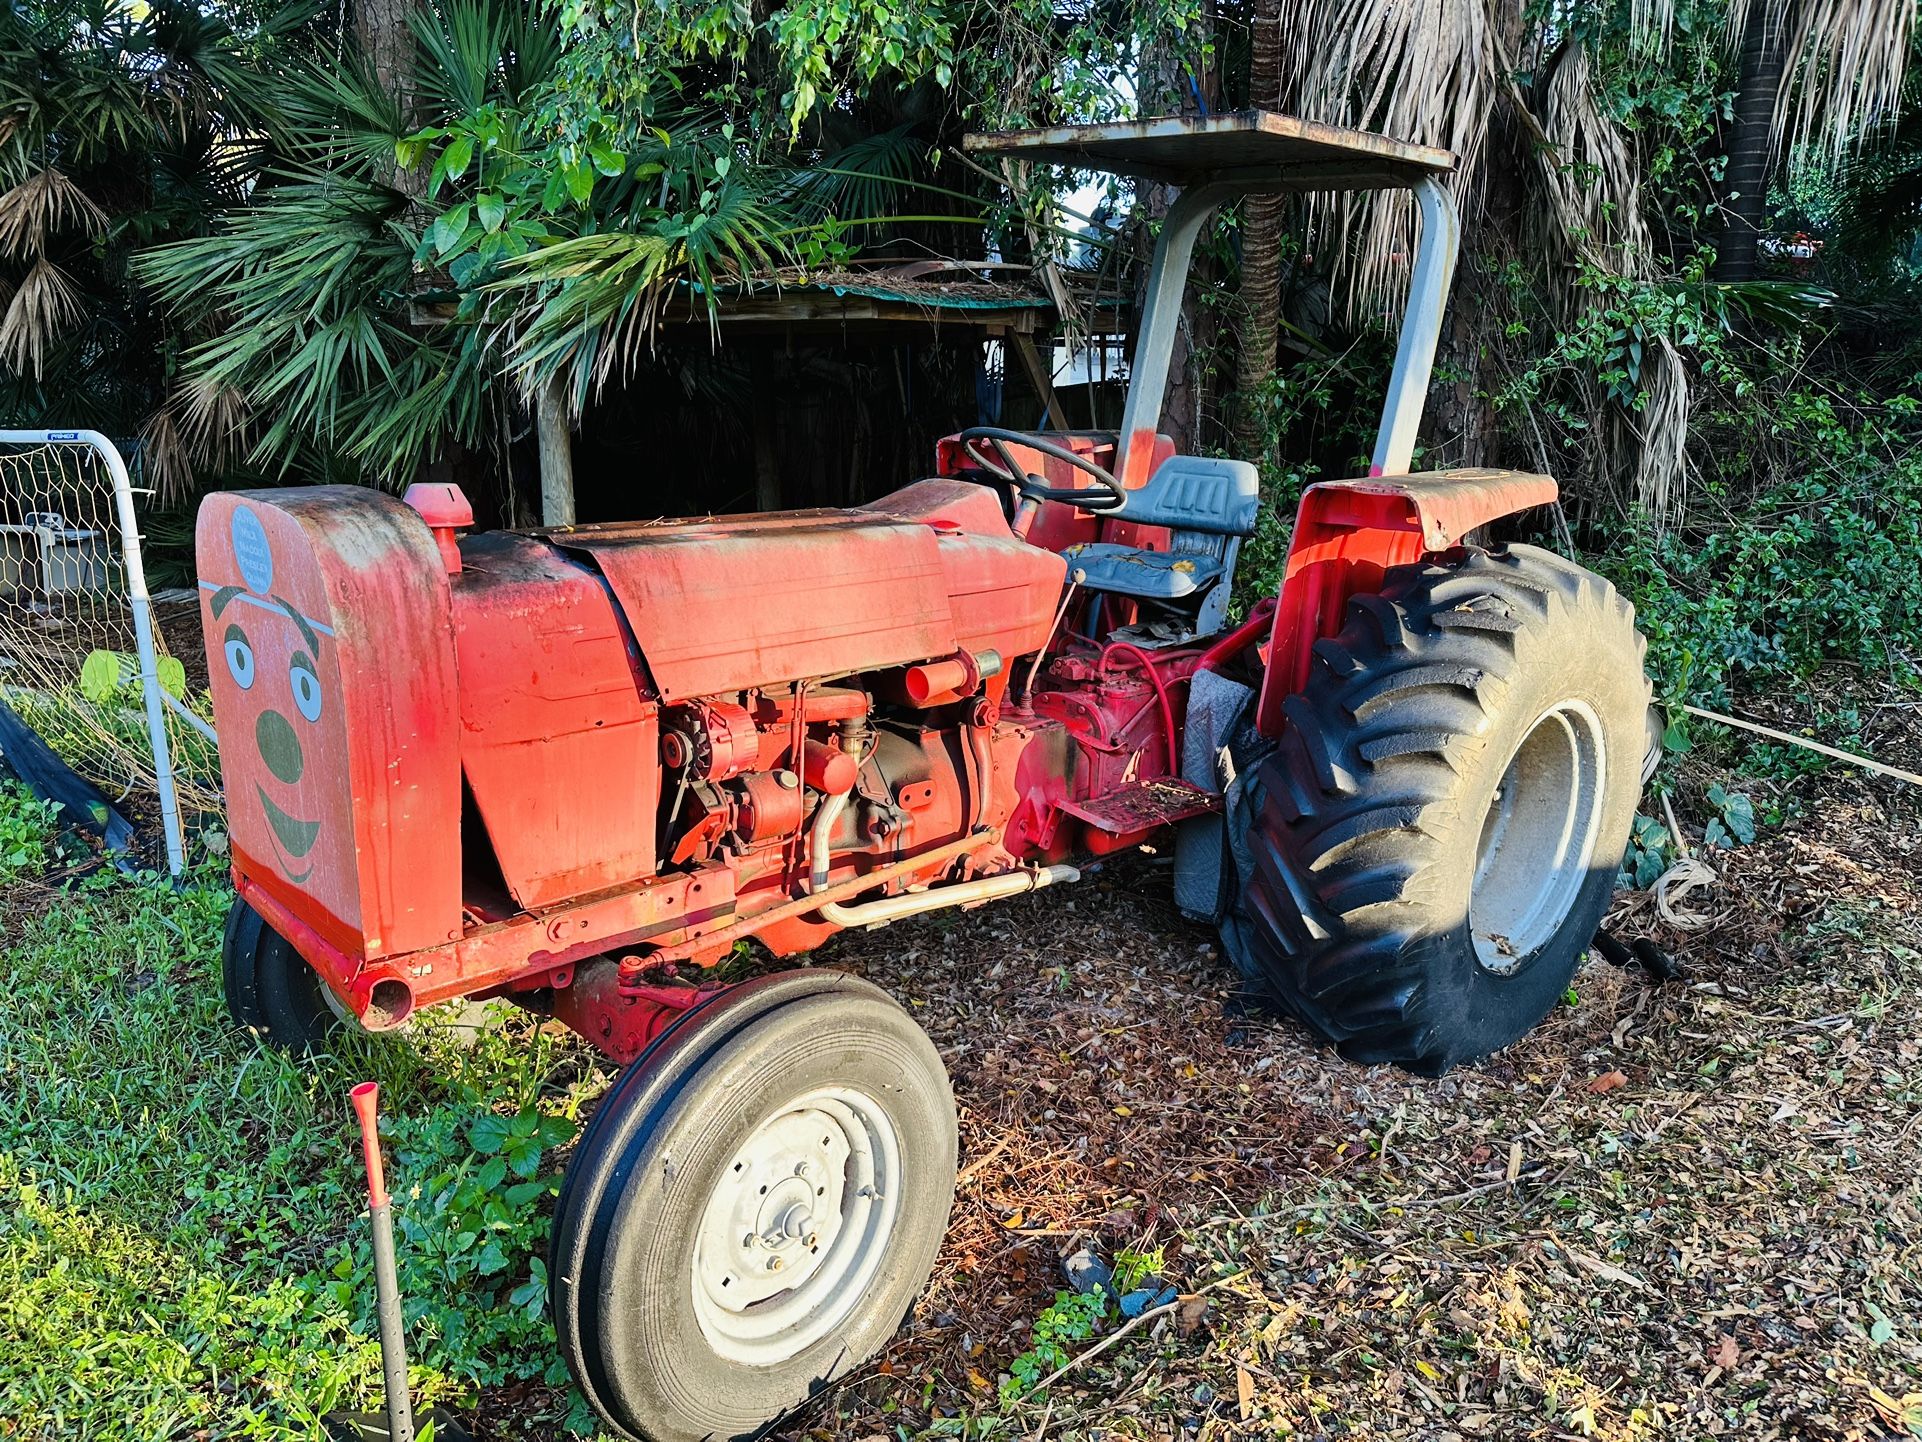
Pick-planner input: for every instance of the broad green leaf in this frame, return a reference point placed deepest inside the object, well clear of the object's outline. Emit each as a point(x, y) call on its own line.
point(451, 226)
point(460, 153)
point(489, 1133)
point(100, 675)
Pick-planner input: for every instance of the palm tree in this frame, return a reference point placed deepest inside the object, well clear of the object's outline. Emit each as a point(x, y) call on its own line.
point(1261, 240)
point(366, 325)
point(343, 338)
point(1434, 73)
point(119, 126)
point(1812, 72)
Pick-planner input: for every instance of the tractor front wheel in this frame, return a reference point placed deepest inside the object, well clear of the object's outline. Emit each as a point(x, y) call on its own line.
point(1431, 845)
point(754, 1207)
point(271, 989)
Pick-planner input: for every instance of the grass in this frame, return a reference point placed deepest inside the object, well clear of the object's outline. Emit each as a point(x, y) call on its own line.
point(182, 1243)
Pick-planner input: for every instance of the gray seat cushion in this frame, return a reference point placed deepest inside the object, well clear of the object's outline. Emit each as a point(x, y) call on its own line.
point(1156, 575)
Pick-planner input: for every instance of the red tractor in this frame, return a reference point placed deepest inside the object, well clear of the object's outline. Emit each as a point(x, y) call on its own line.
point(575, 768)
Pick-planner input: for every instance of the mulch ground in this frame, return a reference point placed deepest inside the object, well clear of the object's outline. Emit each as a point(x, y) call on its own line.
point(1683, 1210)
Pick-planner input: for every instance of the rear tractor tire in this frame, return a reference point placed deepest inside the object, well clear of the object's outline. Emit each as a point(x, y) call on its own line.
point(271, 990)
point(1436, 836)
point(753, 1209)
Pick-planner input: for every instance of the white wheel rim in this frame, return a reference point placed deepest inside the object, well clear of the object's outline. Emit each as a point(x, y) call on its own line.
point(796, 1227)
point(1538, 837)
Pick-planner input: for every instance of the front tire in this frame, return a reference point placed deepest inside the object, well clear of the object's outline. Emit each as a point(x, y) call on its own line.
point(270, 988)
point(754, 1208)
point(1435, 838)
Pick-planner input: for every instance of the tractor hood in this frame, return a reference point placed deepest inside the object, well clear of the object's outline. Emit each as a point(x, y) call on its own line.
point(721, 606)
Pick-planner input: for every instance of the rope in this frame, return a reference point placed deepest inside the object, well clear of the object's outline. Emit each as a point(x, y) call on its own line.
point(1805, 744)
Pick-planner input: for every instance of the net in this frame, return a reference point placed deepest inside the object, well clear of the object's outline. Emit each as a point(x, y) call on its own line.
point(68, 652)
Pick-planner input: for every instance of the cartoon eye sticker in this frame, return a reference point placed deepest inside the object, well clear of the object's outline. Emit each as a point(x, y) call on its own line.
point(305, 684)
point(240, 657)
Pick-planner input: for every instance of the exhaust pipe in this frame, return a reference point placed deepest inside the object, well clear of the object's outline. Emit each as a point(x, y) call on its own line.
point(959, 893)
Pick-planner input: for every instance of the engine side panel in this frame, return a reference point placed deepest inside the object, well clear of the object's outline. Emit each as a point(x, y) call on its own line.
point(559, 744)
point(1002, 592)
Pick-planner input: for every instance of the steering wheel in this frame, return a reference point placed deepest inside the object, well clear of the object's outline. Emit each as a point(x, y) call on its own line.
point(1107, 497)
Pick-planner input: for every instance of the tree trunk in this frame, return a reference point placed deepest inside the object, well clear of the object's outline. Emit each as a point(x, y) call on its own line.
point(381, 31)
point(1745, 184)
point(387, 43)
point(557, 453)
point(1261, 235)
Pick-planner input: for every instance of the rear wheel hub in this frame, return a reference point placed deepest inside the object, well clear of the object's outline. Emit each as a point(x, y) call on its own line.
point(1538, 838)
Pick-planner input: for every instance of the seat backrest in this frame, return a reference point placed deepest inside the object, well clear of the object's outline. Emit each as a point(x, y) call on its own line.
point(1197, 493)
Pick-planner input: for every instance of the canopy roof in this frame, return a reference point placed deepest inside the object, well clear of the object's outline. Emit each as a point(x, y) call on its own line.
point(1256, 148)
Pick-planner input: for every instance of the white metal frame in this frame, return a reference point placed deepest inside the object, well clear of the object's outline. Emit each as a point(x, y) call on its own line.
point(1428, 286)
point(153, 696)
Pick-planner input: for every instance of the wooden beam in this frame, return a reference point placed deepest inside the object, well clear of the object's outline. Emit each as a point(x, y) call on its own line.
point(1043, 383)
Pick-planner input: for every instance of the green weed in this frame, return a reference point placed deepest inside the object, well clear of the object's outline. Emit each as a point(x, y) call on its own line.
point(183, 1244)
point(26, 830)
point(1072, 1318)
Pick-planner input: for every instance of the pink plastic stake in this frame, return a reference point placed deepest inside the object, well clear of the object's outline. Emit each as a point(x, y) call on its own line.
point(366, 1103)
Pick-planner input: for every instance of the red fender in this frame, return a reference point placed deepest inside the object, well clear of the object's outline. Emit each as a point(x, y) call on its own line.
point(1348, 533)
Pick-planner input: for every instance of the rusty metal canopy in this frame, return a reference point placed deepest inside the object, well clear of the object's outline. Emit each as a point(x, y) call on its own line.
point(1255, 148)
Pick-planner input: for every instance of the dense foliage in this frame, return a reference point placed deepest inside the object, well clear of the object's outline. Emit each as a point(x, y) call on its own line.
point(225, 234)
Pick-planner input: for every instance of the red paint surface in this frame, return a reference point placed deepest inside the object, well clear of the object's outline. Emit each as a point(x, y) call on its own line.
point(366, 1099)
point(1060, 525)
point(359, 822)
point(551, 693)
point(759, 600)
point(489, 751)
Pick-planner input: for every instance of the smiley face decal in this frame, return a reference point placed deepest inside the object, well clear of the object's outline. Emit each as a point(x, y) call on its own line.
point(274, 655)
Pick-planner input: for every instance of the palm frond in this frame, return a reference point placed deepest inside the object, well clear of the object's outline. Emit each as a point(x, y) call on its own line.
point(1847, 59)
point(1590, 177)
point(163, 454)
point(1662, 428)
point(40, 205)
point(865, 178)
point(1843, 62)
point(461, 44)
point(46, 305)
point(1419, 72)
point(589, 305)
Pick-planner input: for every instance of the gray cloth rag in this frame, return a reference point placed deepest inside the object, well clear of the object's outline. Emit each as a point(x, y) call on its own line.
point(1204, 884)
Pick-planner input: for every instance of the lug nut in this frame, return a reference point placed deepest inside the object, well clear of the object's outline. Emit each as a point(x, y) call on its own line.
point(774, 1264)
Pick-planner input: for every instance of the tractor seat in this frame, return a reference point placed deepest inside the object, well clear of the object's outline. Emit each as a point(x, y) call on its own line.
point(1208, 505)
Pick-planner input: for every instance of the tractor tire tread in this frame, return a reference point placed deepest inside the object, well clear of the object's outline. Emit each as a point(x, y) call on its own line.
point(1364, 791)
